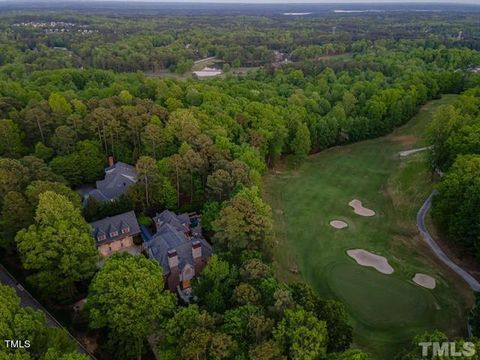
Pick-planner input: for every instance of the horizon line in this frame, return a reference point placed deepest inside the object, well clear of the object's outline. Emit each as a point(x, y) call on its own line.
point(260, 2)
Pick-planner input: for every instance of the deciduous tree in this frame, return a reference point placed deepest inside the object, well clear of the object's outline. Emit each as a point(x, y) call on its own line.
point(302, 335)
point(59, 248)
point(244, 223)
point(131, 309)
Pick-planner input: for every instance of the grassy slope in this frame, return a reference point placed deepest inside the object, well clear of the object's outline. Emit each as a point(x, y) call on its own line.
point(387, 310)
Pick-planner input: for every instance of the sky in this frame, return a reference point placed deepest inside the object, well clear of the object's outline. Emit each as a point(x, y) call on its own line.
point(477, 2)
point(314, 1)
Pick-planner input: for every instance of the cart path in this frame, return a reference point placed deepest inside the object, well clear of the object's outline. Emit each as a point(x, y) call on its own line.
point(469, 279)
point(27, 300)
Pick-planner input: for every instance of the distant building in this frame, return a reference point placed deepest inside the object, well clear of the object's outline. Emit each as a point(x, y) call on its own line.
point(116, 233)
point(180, 249)
point(118, 177)
point(207, 72)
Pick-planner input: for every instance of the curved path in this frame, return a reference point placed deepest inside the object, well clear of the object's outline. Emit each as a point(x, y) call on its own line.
point(469, 279)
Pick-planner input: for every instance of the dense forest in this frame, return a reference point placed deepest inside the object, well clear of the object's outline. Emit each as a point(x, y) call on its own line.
point(74, 90)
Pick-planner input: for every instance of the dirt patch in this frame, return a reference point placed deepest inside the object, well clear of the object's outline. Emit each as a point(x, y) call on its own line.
point(359, 209)
point(338, 224)
point(366, 258)
point(425, 280)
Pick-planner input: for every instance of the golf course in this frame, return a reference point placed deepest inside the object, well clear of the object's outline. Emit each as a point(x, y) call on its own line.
point(387, 308)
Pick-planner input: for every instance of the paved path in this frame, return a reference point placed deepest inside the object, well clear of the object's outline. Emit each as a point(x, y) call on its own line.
point(27, 300)
point(413, 151)
point(469, 279)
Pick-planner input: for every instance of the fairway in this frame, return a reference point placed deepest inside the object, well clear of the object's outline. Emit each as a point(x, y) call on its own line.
point(386, 310)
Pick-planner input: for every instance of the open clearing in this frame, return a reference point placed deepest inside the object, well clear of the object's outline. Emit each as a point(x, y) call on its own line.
point(386, 310)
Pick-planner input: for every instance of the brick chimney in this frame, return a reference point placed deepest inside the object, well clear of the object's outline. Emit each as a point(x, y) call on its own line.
point(196, 250)
point(172, 259)
point(111, 161)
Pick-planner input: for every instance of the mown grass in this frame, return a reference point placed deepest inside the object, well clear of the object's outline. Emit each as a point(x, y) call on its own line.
point(386, 310)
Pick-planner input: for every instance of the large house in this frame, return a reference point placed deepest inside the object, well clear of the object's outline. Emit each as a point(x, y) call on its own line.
point(180, 249)
point(116, 233)
point(118, 177)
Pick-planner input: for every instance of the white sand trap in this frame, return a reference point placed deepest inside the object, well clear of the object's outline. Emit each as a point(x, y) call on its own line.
point(365, 258)
point(425, 280)
point(359, 209)
point(338, 224)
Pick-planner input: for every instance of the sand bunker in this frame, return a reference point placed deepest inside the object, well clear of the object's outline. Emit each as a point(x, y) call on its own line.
point(365, 258)
point(338, 224)
point(359, 209)
point(425, 280)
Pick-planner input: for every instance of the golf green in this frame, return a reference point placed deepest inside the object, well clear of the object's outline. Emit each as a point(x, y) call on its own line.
point(386, 310)
point(365, 292)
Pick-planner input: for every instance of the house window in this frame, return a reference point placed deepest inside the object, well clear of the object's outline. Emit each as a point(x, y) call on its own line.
point(121, 244)
point(114, 233)
point(101, 237)
point(125, 230)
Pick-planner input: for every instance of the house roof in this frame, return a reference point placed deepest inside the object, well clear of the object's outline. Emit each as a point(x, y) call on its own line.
point(179, 222)
point(168, 237)
point(115, 223)
point(117, 180)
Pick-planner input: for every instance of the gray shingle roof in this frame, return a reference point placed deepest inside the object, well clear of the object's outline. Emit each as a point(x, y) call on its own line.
point(171, 236)
point(126, 221)
point(117, 180)
point(180, 222)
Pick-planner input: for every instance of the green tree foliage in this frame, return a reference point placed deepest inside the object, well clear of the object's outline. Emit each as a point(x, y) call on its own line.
point(302, 335)
point(455, 207)
point(43, 152)
point(63, 140)
point(58, 248)
point(38, 187)
point(26, 323)
point(301, 143)
point(38, 170)
point(11, 135)
point(59, 105)
point(130, 309)
point(353, 354)
point(244, 223)
point(191, 334)
point(340, 332)
point(267, 350)
point(210, 212)
point(215, 287)
point(16, 214)
point(248, 324)
point(455, 130)
point(13, 176)
point(153, 190)
point(84, 165)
